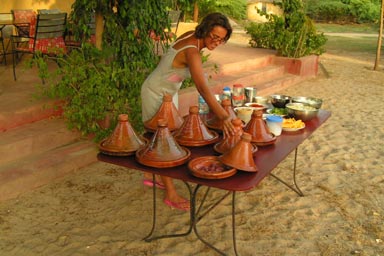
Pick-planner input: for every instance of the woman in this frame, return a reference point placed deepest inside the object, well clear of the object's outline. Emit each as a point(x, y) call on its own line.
point(182, 60)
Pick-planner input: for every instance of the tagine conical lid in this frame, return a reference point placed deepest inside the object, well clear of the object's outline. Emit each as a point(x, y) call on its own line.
point(240, 156)
point(166, 111)
point(257, 127)
point(123, 140)
point(215, 122)
point(229, 141)
point(162, 150)
point(193, 131)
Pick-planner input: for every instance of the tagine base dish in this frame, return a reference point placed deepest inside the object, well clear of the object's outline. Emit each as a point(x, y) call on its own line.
point(199, 143)
point(112, 152)
point(265, 143)
point(210, 167)
point(162, 164)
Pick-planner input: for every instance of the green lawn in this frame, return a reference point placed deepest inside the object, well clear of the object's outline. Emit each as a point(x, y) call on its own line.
point(359, 44)
point(348, 28)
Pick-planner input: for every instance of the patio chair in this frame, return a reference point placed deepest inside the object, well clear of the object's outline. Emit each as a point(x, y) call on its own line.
point(75, 40)
point(48, 11)
point(22, 19)
point(46, 36)
point(5, 19)
point(174, 19)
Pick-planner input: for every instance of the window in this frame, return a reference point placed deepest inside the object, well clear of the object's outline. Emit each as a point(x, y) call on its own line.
point(264, 7)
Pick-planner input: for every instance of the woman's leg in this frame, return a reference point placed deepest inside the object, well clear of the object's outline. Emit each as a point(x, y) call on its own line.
point(148, 180)
point(172, 198)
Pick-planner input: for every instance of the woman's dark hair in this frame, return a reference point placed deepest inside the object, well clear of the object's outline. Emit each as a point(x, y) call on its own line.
point(209, 22)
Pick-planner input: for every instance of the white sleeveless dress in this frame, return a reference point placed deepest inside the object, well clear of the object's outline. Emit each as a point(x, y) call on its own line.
point(163, 80)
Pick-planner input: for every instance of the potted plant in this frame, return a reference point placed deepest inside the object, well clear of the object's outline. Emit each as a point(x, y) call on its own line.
point(104, 79)
point(292, 34)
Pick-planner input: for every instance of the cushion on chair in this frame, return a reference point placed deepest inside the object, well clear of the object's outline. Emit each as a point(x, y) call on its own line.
point(47, 45)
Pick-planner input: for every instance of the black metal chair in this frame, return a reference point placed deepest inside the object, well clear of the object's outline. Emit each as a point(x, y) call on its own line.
point(46, 37)
point(22, 19)
point(174, 17)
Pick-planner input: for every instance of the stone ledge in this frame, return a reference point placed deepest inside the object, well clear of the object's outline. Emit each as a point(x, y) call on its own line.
point(306, 66)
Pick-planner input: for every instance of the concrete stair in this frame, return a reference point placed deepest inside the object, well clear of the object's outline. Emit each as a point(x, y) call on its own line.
point(259, 68)
point(36, 147)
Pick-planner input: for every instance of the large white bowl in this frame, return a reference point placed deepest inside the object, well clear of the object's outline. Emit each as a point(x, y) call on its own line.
point(301, 111)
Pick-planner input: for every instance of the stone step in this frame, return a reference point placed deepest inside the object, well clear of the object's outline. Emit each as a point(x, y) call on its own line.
point(273, 84)
point(35, 138)
point(19, 102)
point(277, 84)
point(251, 77)
point(33, 171)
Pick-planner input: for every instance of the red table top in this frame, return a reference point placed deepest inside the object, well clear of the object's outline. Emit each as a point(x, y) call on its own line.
point(266, 159)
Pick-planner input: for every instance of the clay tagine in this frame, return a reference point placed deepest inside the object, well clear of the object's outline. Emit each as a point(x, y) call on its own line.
point(123, 141)
point(261, 136)
point(217, 124)
point(241, 155)
point(229, 141)
point(193, 131)
point(162, 150)
point(166, 111)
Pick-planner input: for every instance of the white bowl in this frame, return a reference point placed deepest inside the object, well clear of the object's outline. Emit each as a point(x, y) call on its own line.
point(244, 113)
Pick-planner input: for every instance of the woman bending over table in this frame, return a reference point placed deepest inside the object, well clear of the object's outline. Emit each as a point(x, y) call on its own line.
point(183, 60)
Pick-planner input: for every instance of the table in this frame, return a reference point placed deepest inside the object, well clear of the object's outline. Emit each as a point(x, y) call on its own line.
point(5, 20)
point(266, 159)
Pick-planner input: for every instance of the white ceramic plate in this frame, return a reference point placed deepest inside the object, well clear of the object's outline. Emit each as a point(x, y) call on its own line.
point(293, 129)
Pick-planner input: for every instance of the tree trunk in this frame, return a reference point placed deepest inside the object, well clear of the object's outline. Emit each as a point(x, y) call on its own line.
point(195, 12)
point(99, 29)
point(378, 52)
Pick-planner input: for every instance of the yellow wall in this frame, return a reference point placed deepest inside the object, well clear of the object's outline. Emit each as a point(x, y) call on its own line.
point(254, 16)
point(63, 5)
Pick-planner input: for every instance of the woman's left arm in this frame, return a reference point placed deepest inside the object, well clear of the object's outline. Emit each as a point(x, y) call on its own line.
point(195, 66)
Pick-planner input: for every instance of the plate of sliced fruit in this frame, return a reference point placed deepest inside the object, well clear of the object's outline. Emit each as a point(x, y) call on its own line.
point(292, 125)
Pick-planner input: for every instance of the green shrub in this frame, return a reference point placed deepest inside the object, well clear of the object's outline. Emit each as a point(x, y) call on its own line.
point(360, 11)
point(293, 34)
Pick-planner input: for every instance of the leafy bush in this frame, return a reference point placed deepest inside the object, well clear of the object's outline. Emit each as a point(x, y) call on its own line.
point(95, 83)
point(344, 11)
point(233, 8)
point(330, 11)
point(364, 11)
point(293, 34)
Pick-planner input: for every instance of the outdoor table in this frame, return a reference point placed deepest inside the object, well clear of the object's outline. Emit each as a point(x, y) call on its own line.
point(4, 21)
point(20, 28)
point(266, 159)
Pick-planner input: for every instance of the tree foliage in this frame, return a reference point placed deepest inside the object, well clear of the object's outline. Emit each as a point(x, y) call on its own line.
point(292, 34)
point(95, 83)
point(360, 11)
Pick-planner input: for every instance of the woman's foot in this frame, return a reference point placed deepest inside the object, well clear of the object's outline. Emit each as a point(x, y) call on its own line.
point(149, 183)
point(183, 205)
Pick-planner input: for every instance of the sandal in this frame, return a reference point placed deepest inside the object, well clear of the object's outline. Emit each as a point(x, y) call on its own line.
point(149, 183)
point(180, 205)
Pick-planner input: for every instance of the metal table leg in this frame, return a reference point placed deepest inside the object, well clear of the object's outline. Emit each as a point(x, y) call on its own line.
point(295, 188)
point(149, 237)
point(196, 215)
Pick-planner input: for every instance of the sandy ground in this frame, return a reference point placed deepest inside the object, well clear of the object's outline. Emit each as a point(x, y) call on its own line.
point(104, 209)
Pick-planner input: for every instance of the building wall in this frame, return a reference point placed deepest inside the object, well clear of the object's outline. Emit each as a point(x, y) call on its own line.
point(63, 5)
point(252, 14)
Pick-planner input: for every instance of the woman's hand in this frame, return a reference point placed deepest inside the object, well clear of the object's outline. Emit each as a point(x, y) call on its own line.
point(228, 127)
